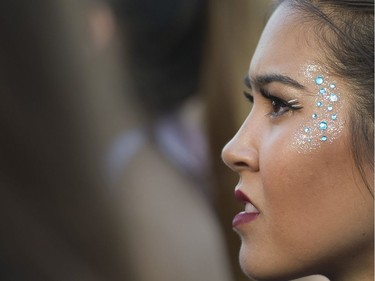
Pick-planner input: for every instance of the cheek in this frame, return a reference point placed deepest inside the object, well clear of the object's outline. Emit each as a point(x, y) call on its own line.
point(300, 179)
point(309, 198)
point(294, 185)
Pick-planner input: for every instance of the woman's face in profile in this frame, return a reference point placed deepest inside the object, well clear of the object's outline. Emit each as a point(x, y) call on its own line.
point(310, 212)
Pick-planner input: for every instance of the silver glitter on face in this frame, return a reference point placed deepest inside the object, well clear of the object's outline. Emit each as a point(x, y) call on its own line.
point(322, 124)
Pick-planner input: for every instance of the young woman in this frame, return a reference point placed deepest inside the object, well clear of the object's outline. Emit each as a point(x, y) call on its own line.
point(305, 152)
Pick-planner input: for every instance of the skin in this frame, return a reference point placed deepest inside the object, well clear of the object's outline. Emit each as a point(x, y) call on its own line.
point(316, 215)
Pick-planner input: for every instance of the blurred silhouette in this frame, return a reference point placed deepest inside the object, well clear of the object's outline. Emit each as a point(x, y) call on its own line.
point(58, 221)
point(162, 159)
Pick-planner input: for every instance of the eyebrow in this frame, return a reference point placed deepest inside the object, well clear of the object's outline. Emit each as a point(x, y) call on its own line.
point(262, 80)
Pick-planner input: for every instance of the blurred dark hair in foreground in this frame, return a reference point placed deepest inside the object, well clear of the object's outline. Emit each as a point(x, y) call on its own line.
point(164, 41)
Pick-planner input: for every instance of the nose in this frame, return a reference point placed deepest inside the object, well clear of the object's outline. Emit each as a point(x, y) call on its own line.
point(241, 152)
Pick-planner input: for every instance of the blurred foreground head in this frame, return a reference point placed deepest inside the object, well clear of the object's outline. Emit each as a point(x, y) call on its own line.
point(164, 41)
point(57, 221)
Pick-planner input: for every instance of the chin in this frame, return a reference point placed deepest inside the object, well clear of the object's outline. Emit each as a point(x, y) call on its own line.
point(259, 268)
point(253, 265)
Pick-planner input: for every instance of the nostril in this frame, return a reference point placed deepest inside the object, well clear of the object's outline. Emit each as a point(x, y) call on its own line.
point(241, 164)
point(241, 159)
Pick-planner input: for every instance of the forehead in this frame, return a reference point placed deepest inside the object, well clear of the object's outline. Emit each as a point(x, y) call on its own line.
point(286, 44)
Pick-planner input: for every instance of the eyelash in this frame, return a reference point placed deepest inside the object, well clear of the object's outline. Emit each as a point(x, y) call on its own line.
point(276, 103)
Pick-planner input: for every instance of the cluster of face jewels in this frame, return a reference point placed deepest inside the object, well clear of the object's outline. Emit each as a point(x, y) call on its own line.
point(324, 96)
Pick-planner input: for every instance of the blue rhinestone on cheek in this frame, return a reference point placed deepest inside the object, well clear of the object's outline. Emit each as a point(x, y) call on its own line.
point(333, 97)
point(327, 103)
point(319, 80)
point(323, 125)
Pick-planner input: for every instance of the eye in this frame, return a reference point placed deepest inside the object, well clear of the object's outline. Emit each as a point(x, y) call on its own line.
point(279, 107)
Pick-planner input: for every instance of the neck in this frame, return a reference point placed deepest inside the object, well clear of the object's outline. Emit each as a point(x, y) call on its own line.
point(357, 269)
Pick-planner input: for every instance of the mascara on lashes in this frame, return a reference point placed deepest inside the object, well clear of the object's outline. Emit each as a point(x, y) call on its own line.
point(292, 104)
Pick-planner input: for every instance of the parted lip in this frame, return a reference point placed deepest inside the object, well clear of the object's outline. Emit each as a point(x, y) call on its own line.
point(241, 197)
point(249, 214)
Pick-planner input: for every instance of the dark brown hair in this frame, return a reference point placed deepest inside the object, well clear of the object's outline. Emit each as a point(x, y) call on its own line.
point(346, 31)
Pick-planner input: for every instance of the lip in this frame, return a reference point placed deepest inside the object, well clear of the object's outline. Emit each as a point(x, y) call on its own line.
point(245, 216)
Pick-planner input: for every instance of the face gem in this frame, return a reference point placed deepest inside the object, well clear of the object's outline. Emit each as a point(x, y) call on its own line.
point(323, 125)
point(333, 97)
point(319, 80)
